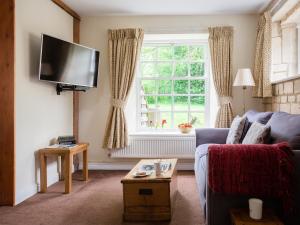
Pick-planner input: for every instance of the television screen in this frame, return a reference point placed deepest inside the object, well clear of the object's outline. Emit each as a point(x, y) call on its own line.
point(68, 63)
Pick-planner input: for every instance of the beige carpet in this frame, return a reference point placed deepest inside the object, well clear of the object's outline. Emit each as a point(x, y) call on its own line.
point(99, 201)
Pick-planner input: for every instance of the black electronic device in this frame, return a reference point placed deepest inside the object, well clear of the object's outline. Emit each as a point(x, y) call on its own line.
point(72, 66)
point(66, 140)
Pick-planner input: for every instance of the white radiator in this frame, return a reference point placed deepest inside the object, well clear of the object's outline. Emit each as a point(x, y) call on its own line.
point(158, 146)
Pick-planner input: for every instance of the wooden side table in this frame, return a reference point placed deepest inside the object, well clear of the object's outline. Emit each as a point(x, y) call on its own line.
point(241, 217)
point(67, 161)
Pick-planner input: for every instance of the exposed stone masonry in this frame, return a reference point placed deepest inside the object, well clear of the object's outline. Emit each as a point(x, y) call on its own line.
point(286, 97)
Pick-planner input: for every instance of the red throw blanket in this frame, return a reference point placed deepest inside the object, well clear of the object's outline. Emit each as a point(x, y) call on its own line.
point(258, 170)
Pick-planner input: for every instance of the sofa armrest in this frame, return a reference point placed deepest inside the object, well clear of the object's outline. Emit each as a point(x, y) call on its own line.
point(211, 135)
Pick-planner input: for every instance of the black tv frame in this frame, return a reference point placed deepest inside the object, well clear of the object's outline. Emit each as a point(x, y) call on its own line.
point(62, 87)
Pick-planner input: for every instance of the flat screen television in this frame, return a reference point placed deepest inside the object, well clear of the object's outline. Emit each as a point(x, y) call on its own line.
point(68, 63)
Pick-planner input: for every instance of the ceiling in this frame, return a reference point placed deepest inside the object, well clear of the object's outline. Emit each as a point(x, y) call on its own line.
point(165, 7)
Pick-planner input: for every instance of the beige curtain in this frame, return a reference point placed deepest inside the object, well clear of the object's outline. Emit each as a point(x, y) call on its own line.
point(221, 44)
point(262, 63)
point(124, 47)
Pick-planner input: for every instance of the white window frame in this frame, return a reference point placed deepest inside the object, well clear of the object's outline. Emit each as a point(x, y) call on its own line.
point(206, 78)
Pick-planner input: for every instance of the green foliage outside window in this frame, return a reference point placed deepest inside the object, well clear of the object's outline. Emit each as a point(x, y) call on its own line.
point(177, 69)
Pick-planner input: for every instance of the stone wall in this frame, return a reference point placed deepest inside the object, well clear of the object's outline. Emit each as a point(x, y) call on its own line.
point(284, 51)
point(286, 97)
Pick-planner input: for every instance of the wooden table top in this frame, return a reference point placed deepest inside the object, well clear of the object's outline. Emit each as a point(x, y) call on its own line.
point(164, 177)
point(241, 217)
point(63, 150)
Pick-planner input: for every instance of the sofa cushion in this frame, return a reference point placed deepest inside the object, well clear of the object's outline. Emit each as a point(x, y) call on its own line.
point(236, 130)
point(285, 127)
point(254, 116)
point(261, 117)
point(256, 134)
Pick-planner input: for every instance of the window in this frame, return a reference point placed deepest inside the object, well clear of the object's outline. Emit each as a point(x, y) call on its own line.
point(173, 83)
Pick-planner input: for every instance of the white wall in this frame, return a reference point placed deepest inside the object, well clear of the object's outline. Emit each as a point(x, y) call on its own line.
point(95, 104)
point(41, 115)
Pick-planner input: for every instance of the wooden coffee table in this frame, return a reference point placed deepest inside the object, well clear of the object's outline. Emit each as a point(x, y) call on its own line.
point(150, 198)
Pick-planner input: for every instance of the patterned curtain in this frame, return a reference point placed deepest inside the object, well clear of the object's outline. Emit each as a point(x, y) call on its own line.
point(221, 45)
point(124, 46)
point(262, 63)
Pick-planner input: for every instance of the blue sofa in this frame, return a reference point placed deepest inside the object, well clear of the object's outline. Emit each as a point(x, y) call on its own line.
point(284, 127)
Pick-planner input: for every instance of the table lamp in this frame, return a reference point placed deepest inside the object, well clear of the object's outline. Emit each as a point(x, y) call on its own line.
point(244, 79)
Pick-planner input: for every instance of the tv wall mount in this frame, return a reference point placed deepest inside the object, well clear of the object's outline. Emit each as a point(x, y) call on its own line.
point(62, 87)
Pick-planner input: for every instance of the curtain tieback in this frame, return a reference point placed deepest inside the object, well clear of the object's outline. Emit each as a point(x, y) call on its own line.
point(224, 100)
point(117, 103)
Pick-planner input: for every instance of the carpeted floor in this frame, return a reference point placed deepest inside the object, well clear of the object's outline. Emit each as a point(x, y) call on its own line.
point(98, 202)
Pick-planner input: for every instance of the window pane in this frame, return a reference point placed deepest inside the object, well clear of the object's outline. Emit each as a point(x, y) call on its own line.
point(166, 116)
point(180, 86)
point(149, 70)
point(148, 53)
point(197, 87)
point(148, 86)
point(145, 120)
point(200, 122)
point(165, 53)
point(181, 69)
point(180, 118)
point(153, 118)
point(197, 103)
point(150, 102)
point(164, 103)
point(181, 52)
point(144, 105)
point(197, 53)
point(181, 103)
point(165, 69)
point(176, 73)
point(164, 87)
point(197, 69)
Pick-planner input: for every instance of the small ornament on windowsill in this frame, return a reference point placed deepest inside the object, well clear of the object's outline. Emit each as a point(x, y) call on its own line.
point(151, 123)
point(186, 128)
point(163, 122)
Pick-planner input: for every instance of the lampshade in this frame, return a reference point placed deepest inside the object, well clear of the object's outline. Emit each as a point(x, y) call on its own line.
point(244, 78)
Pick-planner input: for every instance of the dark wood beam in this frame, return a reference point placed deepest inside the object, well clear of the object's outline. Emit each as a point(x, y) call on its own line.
point(65, 7)
point(7, 101)
point(76, 39)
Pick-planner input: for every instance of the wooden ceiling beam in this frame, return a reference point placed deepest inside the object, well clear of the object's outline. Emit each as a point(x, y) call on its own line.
point(65, 7)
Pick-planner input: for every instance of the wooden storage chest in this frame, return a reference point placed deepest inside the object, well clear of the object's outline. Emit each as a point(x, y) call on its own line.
point(150, 198)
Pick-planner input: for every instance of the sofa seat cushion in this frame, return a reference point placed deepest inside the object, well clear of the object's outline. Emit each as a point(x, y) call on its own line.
point(285, 127)
point(200, 168)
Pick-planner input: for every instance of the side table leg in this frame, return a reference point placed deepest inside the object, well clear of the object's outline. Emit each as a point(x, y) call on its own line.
point(62, 167)
point(43, 173)
point(85, 166)
point(68, 173)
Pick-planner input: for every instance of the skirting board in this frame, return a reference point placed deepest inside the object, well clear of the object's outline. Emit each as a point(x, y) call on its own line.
point(23, 194)
point(129, 166)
